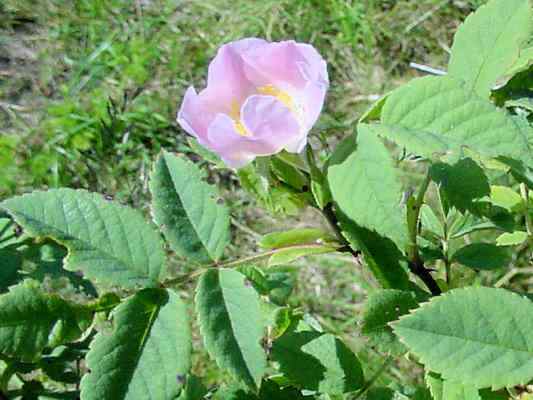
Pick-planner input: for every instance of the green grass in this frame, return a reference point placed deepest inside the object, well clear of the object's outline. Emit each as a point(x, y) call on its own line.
point(89, 92)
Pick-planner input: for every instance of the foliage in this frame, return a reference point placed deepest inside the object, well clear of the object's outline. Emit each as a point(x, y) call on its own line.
point(120, 326)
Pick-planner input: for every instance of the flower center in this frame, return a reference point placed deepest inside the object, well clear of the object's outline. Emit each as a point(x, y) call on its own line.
point(267, 90)
point(270, 90)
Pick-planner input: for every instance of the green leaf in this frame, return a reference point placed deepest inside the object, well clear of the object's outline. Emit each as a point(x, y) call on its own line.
point(292, 237)
point(431, 222)
point(147, 353)
point(381, 255)
point(109, 243)
point(194, 389)
point(523, 102)
point(458, 391)
point(505, 197)
point(382, 307)
point(204, 153)
point(270, 390)
point(318, 361)
point(366, 189)
point(278, 285)
point(319, 182)
point(426, 144)
point(524, 61)
point(475, 336)
point(186, 209)
point(443, 106)
point(435, 384)
point(230, 323)
point(511, 239)
point(31, 320)
point(497, 32)
point(287, 173)
point(10, 264)
point(290, 254)
point(482, 256)
point(461, 183)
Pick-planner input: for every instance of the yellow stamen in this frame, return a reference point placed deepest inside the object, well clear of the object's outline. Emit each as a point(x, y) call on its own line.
point(284, 97)
point(268, 90)
point(235, 114)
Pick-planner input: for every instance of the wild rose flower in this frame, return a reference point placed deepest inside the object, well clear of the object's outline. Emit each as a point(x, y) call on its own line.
point(261, 98)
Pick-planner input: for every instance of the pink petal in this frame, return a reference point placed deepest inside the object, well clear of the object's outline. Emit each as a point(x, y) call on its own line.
point(314, 68)
point(312, 98)
point(270, 122)
point(284, 64)
point(194, 117)
point(224, 140)
point(226, 74)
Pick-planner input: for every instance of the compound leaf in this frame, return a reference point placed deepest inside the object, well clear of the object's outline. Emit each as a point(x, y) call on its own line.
point(229, 314)
point(444, 106)
point(476, 336)
point(186, 209)
point(147, 353)
point(108, 242)
point(366, 189)
point(31, 320)
point(497, 32)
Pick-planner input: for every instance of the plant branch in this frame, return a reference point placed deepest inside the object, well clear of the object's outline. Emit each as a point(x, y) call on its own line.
point(249, 259)
point(416, 264)
point(330, 216)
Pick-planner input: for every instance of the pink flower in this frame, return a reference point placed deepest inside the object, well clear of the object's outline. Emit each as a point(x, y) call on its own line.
point(261, 98)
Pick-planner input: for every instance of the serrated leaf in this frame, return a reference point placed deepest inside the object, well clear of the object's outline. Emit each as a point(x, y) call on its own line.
point(366, 189)
point(108, 242)
point(482, 256)
point(383, 307)
point(511, 239)
point(443, 106)
point(458, 391)
point(505, 197)
point(435, 385)
point(230, 323)
point(461, 183)
point(496, 31)
point(426, 144)
point(431, 222)
point(186, 209)
point(330, 366)
point(31, 320)
point(476, 336)
point(146, 353)
point(381, 255)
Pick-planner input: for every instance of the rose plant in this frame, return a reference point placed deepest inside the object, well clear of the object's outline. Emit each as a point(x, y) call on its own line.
point(127, 334)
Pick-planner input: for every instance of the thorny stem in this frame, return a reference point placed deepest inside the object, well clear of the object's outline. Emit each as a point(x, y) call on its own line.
point(416, 264)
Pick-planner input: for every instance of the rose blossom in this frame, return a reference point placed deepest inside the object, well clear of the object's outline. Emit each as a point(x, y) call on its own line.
point(261, 98)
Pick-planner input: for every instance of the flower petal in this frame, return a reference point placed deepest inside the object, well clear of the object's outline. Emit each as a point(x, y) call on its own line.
point(270, 122)
point(312, 99)
point(194, 116)
point(284, 64)
point(226, 72)
point(234, 149)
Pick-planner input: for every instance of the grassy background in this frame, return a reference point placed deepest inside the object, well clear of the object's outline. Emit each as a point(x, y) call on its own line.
point(89, 92)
